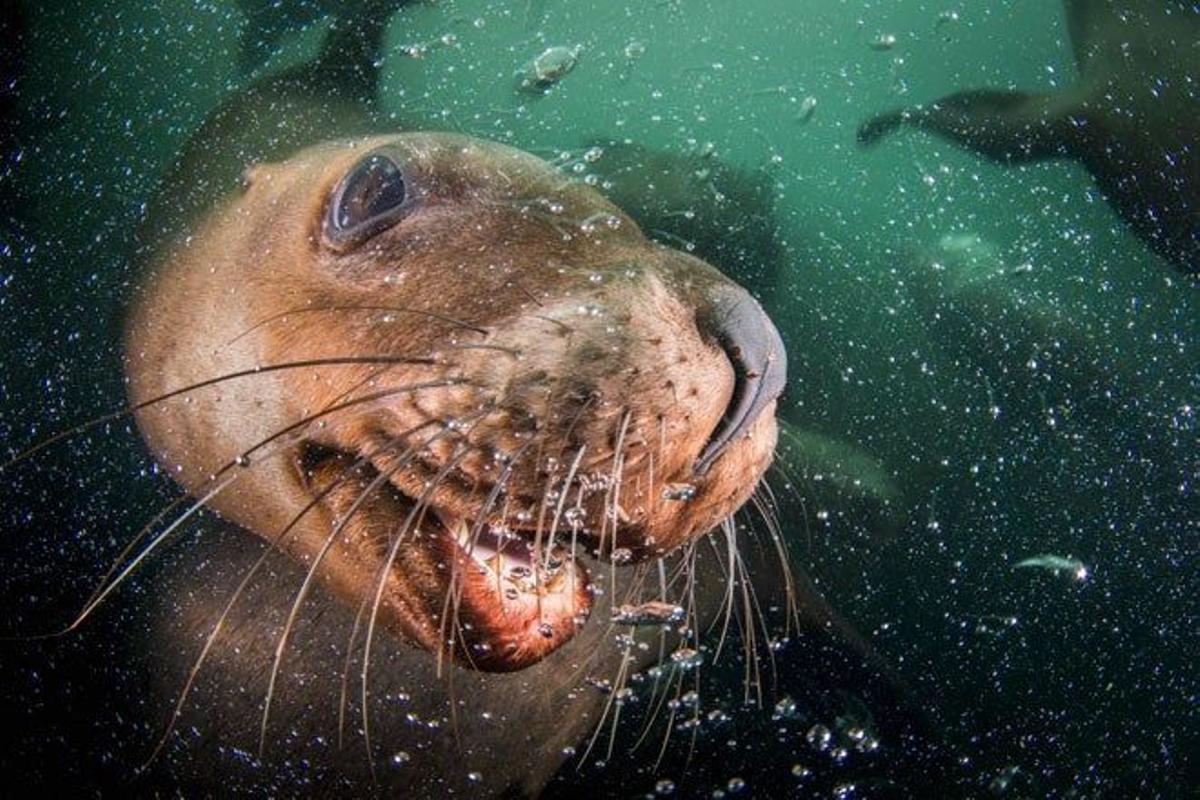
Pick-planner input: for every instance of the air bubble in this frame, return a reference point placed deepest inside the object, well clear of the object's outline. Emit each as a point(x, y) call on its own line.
point(687, 658)
point(884, 41)
point(819, 736)
point(784, 709)
point(679, 492)
point(807, 106)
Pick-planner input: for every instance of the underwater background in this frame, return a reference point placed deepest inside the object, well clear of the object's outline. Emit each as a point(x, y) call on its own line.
point(1069, 678)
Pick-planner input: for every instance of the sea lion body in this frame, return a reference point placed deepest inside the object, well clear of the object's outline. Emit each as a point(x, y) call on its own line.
point(1130, 119)
point(535, 318)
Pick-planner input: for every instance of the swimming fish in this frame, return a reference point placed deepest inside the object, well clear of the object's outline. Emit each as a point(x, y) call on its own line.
point(654, 612)
point(1055, 563)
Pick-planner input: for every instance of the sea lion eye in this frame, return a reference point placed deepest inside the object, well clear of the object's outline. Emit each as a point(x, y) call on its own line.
point(368, 199)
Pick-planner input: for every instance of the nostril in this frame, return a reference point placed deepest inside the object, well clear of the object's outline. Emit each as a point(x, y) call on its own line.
point(755, 349)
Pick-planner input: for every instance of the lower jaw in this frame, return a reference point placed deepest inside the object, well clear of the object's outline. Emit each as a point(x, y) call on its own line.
point(516, 607)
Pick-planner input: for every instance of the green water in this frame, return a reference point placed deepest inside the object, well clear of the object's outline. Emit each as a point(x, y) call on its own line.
point(1041, 682)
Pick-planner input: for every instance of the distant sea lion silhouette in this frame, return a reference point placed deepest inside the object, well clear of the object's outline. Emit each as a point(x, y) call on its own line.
point(1133, 118)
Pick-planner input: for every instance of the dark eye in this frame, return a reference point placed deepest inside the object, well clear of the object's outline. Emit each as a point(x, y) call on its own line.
point(369, 199)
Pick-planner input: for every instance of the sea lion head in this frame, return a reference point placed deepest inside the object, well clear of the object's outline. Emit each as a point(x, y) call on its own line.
point(451, 365)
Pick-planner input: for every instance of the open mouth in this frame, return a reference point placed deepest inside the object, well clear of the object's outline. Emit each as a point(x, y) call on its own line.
point(493, 598)
point(526, 598)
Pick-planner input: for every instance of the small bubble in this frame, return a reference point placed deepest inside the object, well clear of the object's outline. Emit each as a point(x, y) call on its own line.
point(869, 744)
point(819, 736)
point(664, 787)
point(735, 785)
point(807, 106)
point(401, 758)
point(884, 41)
point(679, 491)
point(946, 17)
point(687, 658)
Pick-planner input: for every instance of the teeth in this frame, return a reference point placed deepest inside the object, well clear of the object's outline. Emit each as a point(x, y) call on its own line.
point(497, 552)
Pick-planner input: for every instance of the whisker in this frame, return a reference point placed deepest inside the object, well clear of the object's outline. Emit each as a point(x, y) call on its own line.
point(562, 501)
point(402, 461)
point(241, 460)
point(259, 370)
point(790, 485)
point(389, 309)
point(101, 595)
point(393, 550)
point(106, 587)
point(775, 532)
point(727, 599)
point(219, 625)
point(477, 528)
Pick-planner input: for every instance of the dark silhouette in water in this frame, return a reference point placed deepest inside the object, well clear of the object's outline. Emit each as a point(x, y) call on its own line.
point(1131, 119)
point(269, 21)
point(697, 202)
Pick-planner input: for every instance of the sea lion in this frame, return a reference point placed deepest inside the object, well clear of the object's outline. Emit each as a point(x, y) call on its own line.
point(512, 729)
point(456, 351)
point(444, 353)
point(1130, 119)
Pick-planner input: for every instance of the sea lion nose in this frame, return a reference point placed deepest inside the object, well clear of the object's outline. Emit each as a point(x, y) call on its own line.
point(750, 339)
